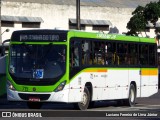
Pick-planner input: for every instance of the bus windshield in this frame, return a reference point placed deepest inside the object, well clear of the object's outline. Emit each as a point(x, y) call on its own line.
point(37, 61)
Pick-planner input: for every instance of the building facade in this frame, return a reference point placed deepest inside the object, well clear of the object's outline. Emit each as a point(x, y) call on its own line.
point(96, 15)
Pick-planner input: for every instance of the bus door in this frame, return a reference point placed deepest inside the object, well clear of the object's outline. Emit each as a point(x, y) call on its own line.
point(75, 68)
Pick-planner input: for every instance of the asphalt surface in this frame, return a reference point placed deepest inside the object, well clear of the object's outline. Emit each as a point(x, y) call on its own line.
point(62, 111)
point(152, 100)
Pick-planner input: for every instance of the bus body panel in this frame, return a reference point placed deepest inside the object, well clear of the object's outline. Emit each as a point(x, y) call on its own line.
point(61, 96)
point(118, 79)
point(112, 88)
point(149, 82)
point(134, 76)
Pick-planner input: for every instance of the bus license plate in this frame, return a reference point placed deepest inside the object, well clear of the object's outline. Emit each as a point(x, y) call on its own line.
point(34, 99)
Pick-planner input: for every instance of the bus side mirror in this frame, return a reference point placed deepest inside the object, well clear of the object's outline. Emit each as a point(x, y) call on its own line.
point(3, 47)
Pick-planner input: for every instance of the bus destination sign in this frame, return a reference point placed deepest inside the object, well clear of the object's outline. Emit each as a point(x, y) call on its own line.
point(39, 36)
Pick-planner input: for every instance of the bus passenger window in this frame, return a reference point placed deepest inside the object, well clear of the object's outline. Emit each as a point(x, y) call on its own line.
point(110, 54)
point(122, 53)
point(85, 53)
point(99, 53)
point(133, 54)
point(152, 55)
point(76, 56)
point(144, 54)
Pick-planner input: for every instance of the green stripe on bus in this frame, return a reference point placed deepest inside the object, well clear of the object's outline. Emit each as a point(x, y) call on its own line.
point(103, 36)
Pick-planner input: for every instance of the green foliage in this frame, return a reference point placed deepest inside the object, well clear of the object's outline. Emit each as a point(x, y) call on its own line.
point(133, 33)
point(152, 12)
point(137, 22)
point(143, 15)
point(139, 10)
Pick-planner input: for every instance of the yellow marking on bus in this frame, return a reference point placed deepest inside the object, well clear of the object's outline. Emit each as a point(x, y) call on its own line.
point(95, 71)
point(149, 72)
point(144, 72)
point(153, 72)
point(101, 70)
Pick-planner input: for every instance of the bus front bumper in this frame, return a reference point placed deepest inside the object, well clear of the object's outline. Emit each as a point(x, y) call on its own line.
point(61, 96)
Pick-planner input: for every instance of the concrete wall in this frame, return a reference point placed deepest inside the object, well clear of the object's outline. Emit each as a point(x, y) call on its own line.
point(58, 15)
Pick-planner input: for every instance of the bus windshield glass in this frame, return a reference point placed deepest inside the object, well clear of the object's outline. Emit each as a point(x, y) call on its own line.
point(37, 61)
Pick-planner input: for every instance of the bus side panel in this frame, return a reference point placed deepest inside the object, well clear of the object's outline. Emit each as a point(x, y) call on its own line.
point(76, 87)
point(77, 84)
point(124, 83)
point(153, 82)
point(117, 81)
point(149, 82)
point(134, 76)
point(98, 80)
point(144, 82)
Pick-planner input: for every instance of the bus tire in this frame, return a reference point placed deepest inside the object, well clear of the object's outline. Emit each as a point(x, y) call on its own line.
point(85, 100)
point(34, 105)
point(132, 96)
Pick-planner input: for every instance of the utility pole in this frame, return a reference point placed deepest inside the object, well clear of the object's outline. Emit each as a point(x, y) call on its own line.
point(78, 15)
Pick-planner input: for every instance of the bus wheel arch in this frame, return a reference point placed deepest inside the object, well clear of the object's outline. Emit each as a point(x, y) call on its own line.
point(86, 97)
point(132, 94)
point(90, 88)
point(83, 105)
point(135, 85)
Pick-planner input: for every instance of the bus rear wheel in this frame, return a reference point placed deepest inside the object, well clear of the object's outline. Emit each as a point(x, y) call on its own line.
point(132, 96)
point(83, 105)
point(34, 105)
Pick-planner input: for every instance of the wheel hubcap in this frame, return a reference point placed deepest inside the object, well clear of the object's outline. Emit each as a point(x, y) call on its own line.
point(132, 96)
point(84, 100)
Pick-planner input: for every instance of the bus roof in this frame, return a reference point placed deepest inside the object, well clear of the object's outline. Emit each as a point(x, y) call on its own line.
point(51, 35)
point(101, 35)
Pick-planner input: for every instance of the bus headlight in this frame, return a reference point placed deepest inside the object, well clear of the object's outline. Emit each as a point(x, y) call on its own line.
point(10, 86)
point(61, 86)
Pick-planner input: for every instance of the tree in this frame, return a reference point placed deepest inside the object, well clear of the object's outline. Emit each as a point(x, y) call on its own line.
point(142, 16)
point(137, 22)
point(152, 12)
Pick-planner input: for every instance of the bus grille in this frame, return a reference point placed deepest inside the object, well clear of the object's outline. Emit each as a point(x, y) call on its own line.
point(40, 96)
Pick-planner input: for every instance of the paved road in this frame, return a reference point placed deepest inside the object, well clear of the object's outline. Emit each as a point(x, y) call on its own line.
point(147, 105)
point(153, 101)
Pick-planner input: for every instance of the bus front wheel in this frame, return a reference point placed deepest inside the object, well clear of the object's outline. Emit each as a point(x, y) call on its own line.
point(83, 105)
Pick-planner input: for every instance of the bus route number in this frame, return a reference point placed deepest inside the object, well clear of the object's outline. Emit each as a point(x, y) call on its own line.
point(25, 89)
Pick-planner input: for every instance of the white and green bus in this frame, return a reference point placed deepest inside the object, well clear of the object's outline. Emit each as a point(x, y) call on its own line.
point(80, 67)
